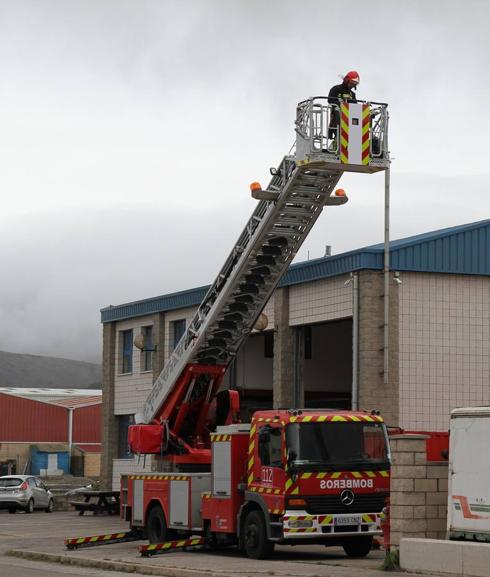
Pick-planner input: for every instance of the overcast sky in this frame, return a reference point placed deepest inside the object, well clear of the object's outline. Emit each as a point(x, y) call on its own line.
point(130, 131)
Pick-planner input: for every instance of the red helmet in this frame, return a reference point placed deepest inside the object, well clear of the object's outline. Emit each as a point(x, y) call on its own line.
point(352, 75)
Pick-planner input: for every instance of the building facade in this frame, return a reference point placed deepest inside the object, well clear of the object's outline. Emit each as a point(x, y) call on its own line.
point(47, 421)
point(322, 342)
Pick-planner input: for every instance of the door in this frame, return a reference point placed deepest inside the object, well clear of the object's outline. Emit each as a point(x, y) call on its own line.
point(179, 504)
point(270, 459)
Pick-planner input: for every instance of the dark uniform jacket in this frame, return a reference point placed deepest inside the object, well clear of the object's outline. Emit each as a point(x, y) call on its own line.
point(338, 93)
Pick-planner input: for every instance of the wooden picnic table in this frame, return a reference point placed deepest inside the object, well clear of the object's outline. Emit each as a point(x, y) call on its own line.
point(97, 502)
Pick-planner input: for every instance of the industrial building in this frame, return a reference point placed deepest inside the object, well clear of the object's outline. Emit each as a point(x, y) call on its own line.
point(321, 339)
point(47, 431)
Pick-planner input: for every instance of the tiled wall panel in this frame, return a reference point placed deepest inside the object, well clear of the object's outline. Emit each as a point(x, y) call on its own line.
point(444, 347)
point(319, 301)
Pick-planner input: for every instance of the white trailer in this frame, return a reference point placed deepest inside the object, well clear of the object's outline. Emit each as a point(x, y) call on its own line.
point(469, 474)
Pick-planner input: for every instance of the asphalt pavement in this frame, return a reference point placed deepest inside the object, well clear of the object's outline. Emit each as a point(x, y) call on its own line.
point(39, 538)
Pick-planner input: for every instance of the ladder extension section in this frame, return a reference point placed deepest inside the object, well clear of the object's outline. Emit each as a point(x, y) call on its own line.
point(261, 256)
point(331, 138)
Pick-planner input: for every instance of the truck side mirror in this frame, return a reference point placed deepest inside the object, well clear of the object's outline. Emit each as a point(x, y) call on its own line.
point(292, 456)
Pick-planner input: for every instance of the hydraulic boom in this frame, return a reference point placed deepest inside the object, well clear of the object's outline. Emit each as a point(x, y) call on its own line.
point(174, 420)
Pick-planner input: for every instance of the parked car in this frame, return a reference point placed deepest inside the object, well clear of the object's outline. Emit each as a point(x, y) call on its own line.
point(24, 493)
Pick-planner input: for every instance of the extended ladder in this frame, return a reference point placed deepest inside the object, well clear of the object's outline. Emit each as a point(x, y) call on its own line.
point(301, 186)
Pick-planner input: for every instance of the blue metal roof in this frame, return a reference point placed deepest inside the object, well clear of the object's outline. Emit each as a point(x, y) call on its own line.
point(463, 249)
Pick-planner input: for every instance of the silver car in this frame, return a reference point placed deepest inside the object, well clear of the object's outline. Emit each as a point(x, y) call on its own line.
point(24, 493)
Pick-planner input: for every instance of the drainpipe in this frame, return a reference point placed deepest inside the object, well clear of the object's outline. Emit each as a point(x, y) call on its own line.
point(70, 437)
point(355, 342)
point(386, 271)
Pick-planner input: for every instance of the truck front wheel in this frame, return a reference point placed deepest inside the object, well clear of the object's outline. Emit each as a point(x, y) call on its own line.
point(156, 526)
point(358, 546)
point(255, 542)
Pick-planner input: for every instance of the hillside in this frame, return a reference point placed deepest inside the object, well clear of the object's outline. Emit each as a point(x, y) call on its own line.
point(19, 370)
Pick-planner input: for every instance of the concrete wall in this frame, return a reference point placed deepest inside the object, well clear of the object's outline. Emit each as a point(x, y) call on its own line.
point(131, 388)
point(125, 466)
point(18, 452)
point(418, 491)
point(253, 369)
point(444, 347)
point(458, 558)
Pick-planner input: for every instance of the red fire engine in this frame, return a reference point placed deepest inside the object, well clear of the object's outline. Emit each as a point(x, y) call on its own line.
point(290, 476)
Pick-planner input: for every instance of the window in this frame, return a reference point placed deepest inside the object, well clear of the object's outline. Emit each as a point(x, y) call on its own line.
point(123, 422)
point(270, 446)
point(127, 351)
point(269, 345)
point(178, 329)
point(308, 343)
point(338, 444)
point(148, 348)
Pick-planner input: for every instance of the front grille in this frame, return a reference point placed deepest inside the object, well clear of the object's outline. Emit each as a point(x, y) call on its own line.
point(363, 503)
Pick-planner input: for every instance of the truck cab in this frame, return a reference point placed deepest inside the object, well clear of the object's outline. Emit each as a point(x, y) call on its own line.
point(307, 476)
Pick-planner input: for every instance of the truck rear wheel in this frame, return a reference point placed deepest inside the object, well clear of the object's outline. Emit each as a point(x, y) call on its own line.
point(255, 542)
point(156, 526)
point(358, 546)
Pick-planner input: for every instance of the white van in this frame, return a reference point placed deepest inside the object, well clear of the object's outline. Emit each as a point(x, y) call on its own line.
point(469, 474)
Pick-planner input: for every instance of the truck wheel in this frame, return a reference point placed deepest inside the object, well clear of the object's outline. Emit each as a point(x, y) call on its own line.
point(255, 542)
point(358, 546)
point(156, 526)
point(30, 506)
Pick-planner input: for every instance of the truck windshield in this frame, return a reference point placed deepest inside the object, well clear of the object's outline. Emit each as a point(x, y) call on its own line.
point(337, 444)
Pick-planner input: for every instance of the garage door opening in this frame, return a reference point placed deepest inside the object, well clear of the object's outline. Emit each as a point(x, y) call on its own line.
point(327, 366)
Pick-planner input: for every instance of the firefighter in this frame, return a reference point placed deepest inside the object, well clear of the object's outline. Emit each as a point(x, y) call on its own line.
point(340, 92)
point(345, 91)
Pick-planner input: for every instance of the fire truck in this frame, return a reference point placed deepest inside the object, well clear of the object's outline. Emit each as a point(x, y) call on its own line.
point(291, 475)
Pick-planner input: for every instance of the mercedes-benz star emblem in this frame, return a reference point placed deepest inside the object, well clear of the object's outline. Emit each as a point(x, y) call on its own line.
point(347, 497)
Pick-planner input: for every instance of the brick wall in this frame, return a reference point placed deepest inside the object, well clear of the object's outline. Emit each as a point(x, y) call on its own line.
point(109, 421)
point(91, 465)
point(418, 491)
point(283, 368)
point(373, 392)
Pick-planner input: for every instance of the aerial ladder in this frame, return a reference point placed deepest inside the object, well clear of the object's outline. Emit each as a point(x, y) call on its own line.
point(331, 138)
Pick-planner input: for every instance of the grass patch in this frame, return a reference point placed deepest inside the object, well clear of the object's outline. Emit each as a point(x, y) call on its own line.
point(391, 561)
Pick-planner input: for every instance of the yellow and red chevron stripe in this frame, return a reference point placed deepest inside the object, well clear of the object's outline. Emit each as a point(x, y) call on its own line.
point(220, 438)
point(171, 545)
point(291, 487)
point(344, 133)
point(366, 120)
point(264, 490)
point(251, 452)
point(335, 418)
point(350, 474)
point(276, 511)
point(160, 477)
point(267, 420)
point(101, 539)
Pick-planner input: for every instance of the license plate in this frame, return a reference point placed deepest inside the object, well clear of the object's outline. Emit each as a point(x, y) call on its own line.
point(347, 520)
